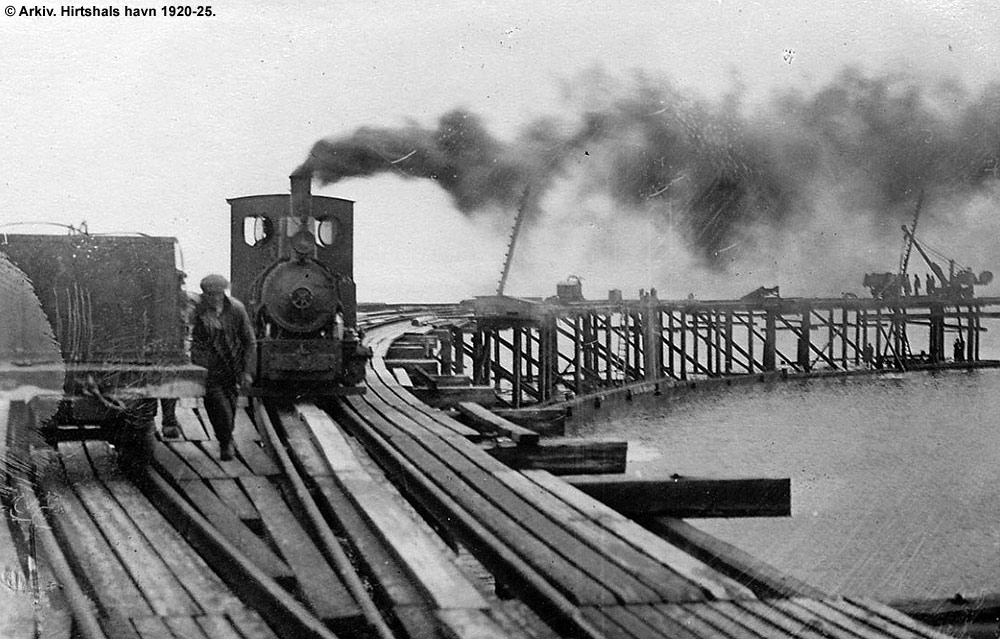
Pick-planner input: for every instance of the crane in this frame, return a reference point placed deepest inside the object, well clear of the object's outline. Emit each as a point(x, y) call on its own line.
point(958, 284)
point(953, 284)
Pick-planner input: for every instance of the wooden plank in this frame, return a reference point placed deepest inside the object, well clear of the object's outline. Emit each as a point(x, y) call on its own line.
point(171, 464)
point(251, 625)
point(233, 529)
point(243, 428)
point(567, 456)
point(437, 575)
point(303, 450)
point(256, 458)
point(727, 626)
point(878, 608)
point(330, 441)
point(116, 625)
point(713, 582)
point(191, 571)
point(232, 495)
point(320, 586)
point(757, 575)
point(437, 422)
point(683, 616)
point(256, 588)
point(548, 422)
point(161, 588)
point(152, 628)
point(191, 425)
point(607, 626)
point(483, 419)
point(87, 549)
point(810, 619)
point(402, 377)
point(186, 627)
point(520, 621)
point(217, 627)
point(53, 609)
point(631, 622)
point(407, 352)
point(384, 567)
point(232, 467)
point(464, 623)
point(562, 573)
point(764, 610)
point(849, 620)
point(417, 622)
point(475, 466)
point(450, 396)
point(196, 458)
point(755, 624)
point(18, 618)
point(689, 496)
point(424, 429)
point(664, 625)
point(415, 365)
point(670, 584)
point(393, 394)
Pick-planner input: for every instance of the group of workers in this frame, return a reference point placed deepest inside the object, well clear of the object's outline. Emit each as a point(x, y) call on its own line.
point(915, 289)
point(222, 341)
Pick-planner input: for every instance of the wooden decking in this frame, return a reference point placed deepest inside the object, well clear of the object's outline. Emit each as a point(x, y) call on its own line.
point(244, 500)
point(144, 577)
point(588, 570)
point(451, 542)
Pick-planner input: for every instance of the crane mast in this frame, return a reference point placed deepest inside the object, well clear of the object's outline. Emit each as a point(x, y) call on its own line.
point(904, 260)
point(521, 212)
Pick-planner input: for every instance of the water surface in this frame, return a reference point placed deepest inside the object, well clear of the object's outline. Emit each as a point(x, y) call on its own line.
point(895, 479)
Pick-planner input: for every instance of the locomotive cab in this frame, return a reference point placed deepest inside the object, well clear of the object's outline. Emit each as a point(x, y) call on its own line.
point(292, 261)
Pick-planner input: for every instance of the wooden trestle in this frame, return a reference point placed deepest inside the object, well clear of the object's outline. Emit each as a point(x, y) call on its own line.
point(538, 351)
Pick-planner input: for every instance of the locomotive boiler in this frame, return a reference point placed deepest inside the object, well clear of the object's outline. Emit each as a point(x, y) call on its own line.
point(292, 263)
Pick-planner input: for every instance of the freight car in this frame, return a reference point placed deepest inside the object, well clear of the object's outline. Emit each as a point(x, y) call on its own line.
point(114, 304)
point(292, 263)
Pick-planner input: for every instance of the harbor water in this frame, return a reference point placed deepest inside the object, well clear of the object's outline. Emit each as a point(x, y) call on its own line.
point(895, 477)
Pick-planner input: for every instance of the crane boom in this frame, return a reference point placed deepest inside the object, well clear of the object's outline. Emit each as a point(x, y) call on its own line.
point(933, 265)
point(521, 212)
point(904, 261)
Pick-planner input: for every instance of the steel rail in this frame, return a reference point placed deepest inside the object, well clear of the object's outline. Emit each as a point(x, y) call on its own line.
point(259, 590)
point(83, 610)
point(324, 536)
point(496, 554)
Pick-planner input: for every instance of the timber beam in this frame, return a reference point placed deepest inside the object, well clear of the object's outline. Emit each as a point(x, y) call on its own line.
point(690, 496)
point(484, 421)
point(566, 456)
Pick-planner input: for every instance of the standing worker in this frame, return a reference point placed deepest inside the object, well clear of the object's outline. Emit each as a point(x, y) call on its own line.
point(223, 342)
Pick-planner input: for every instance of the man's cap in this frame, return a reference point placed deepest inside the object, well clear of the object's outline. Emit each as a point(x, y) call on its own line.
point(214, 283)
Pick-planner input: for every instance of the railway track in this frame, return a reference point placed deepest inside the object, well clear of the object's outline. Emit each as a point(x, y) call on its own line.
point(371, 516)
point(195, 547)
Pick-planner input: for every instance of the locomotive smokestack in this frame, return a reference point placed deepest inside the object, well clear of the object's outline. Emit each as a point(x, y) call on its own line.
point(301, 202)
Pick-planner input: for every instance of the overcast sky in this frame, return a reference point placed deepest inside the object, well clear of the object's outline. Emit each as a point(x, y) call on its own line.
point(149, 123)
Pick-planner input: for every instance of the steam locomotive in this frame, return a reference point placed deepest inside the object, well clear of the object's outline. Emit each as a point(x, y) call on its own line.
point(292, 264)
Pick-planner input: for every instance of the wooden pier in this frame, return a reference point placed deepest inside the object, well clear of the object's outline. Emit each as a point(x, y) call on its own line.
point(381, 516)
point(539, 351)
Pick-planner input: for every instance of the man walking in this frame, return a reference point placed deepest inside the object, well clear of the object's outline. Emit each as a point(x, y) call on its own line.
point(223, 342)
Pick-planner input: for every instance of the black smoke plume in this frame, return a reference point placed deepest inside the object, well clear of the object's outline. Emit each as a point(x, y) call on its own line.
point(719, 169)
